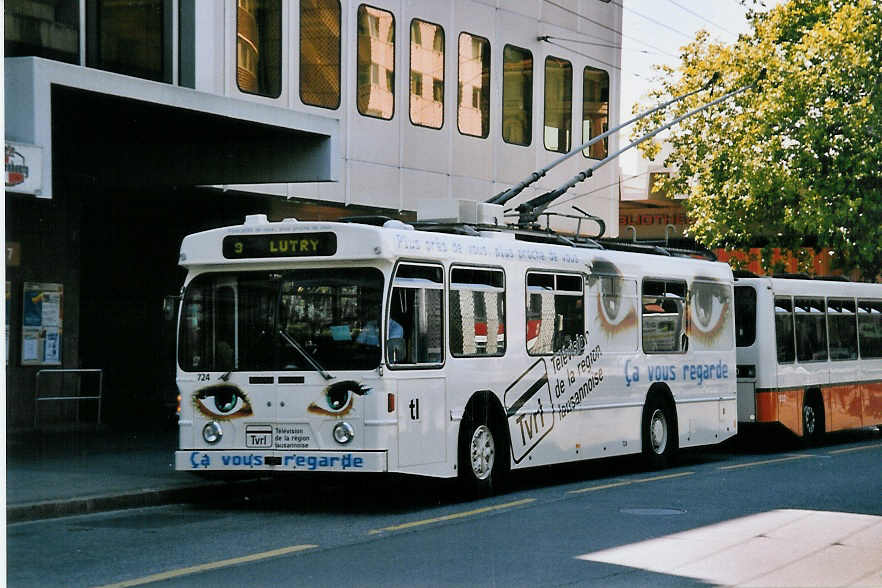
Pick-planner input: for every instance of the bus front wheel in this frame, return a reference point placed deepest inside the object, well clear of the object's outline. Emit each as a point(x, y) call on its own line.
point(481, 455)
point(659, 433)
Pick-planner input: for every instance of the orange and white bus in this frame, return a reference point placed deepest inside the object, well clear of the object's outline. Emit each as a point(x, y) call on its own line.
point(809, 353)
point(354, 347)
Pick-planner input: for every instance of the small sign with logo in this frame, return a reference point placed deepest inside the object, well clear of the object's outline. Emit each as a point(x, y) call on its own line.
point(24, 168)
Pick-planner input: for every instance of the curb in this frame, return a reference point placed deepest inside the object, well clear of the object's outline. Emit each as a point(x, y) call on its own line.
point(49, 509)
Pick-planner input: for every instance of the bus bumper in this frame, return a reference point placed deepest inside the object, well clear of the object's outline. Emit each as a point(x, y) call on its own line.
point(197, 460)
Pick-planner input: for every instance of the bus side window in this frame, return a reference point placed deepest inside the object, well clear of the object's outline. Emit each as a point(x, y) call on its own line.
point(784, 341)
point(477, 312)
point(664, 316)
point(414, 329)
point(842, 329)
point(811, 329)
point(870, 328)
point(555, 313)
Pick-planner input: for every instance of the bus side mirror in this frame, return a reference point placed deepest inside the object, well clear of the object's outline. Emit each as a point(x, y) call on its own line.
point(170, 306)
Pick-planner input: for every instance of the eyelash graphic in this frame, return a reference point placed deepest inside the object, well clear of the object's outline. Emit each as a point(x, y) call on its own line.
point(339, 397)
point(222, 402)
point(708, 312)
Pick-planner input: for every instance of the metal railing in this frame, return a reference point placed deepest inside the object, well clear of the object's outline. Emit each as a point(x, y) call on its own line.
point(38, 399)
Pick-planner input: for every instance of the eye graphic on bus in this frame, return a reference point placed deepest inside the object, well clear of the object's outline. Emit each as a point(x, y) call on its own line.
point(708, 310)
point(339, 398)
point(615, 313)
point(222, 402)
point(612, 308)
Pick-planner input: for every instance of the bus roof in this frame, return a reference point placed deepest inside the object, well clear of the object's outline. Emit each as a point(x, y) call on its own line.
point(258, 240)
point(814, 287)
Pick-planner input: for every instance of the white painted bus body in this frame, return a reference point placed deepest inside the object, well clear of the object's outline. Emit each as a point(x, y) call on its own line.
point(586, 403)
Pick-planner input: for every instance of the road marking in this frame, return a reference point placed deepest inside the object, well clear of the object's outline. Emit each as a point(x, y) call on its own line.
point(664, 477)
point(601, 487)
point(629, 482)
point(211, 566)
point(850, 449)
point(764, 462)
point(450, 517)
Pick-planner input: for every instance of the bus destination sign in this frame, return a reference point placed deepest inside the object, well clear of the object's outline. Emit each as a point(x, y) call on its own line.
point(279, 245)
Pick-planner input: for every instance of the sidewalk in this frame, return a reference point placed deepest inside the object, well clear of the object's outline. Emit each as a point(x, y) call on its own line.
point(60, 474)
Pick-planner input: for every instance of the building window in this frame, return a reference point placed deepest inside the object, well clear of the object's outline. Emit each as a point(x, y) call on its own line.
point(320, 53)
point(811, 329)
point(517, 95)
point(477, 312)
point(375, 62)
point(131, 38)
point(664, 316)
point(558, 104)
point(595, 111)
point(426, 74)
point(870, 328)
point(42, 28)
point(414, 330)
point(555, 313)
point(259, 47)
point(473, 103)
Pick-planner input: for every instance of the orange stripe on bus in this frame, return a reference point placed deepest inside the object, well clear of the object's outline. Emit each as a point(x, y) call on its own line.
point(846, 406)
point(871, 393)
point(767, 406)
point(842, 404)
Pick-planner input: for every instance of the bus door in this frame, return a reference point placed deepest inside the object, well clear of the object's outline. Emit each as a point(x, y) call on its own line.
point(747, 351)
point(414, 344)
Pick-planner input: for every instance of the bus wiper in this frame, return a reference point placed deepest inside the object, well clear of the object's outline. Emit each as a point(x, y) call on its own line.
point(309, 358)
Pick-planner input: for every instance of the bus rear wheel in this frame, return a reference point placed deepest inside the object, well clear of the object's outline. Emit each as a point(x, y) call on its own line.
point(481, 455)
point(812, 419)
point(659, 433)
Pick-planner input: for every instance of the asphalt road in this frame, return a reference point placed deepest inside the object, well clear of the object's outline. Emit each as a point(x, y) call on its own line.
point(546, 530)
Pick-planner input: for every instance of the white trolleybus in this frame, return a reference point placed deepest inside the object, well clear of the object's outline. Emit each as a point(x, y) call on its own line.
point(445, 350)
point(809, 354)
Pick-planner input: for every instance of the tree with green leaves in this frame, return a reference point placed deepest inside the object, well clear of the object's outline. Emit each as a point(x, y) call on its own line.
point(797, 158)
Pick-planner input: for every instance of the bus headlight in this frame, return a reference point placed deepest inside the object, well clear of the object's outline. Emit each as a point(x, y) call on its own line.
point(343, 433)
point(212, 432)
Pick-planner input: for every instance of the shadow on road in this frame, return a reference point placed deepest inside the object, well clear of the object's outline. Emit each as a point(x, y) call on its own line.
point(372, 494)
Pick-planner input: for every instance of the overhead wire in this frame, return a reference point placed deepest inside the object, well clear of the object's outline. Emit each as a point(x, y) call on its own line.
point(652, 20)
point(595, 190)
point(607, 27)
point(546, 39)
point(607, 45)
point(697, 15)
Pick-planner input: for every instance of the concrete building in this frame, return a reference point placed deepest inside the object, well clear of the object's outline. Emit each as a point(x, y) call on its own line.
point(132, 124)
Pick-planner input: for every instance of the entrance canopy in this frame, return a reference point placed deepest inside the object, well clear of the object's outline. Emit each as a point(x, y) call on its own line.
point(120, 131)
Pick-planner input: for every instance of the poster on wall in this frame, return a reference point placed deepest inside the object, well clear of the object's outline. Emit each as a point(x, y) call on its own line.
point(42, 320)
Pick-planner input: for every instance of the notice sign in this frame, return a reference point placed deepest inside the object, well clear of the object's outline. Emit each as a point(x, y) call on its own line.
point(530, 410)
point(24, 168)
point(41, 325)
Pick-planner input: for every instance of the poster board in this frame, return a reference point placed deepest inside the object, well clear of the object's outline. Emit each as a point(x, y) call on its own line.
point(42, 322)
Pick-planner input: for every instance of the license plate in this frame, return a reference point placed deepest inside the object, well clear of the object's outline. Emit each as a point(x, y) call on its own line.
point(258, 437)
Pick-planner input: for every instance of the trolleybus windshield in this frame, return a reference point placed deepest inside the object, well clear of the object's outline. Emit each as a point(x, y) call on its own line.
point(309, 319)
